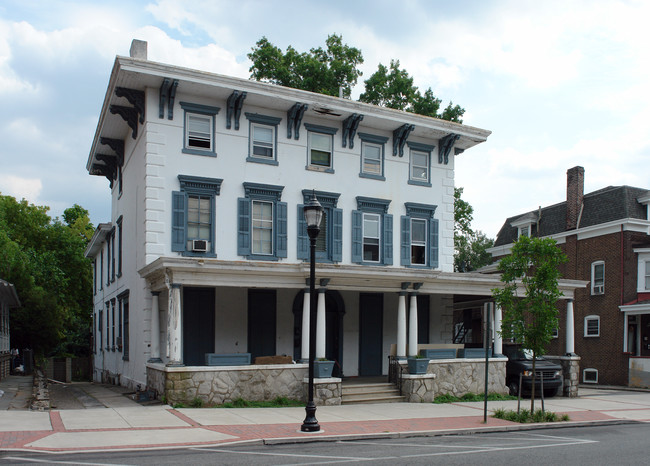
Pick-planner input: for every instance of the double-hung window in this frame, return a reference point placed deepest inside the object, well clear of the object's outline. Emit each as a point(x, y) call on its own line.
point(598, 278)
point(372, 156)
point(647, 275)
point(320, 147)
point(263, 132)
point(262, 222)
point(419, 236)
point(123, 346)
point(372, 232)
point(119, 246)
point(329, 243)
point(193, 216)
point(199, 129)
point(420, 163)
point(592, 326)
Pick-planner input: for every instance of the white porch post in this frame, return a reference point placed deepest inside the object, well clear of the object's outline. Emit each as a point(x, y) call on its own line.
point(498, 341)
point(320, 325)
point(626, 324)
point(155, 327)
point(413, 326)
point(401, 325)
point(570, 333)
point(304, 353)
point(174, 327)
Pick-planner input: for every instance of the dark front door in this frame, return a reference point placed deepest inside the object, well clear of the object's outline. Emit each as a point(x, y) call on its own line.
point(371, 318)
point(198, 325)
point(423, 318)
point(261, 323)
point(645, 335)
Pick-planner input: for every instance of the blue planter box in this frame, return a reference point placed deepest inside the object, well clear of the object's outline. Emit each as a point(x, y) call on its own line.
point(323, 369)
point(473, 353)
point(439, 353)
point(235, 359)
point(417, 365)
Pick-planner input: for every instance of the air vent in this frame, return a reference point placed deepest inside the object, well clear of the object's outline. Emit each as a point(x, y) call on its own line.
point(199, 245)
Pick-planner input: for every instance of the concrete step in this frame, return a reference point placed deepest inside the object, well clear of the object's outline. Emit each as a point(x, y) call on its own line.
point(370, 393)
point(367, 388)
point(383, 399)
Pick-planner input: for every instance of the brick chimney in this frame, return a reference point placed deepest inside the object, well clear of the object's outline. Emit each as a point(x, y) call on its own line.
point(575, 190)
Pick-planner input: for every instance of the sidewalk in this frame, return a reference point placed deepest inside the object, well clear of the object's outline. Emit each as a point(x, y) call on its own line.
point(110, 420)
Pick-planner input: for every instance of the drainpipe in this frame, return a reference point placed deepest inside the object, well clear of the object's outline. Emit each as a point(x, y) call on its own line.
point(622, 265)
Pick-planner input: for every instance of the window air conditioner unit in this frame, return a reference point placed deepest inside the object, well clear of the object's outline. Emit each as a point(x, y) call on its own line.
point(599, 289)
point(199, 245)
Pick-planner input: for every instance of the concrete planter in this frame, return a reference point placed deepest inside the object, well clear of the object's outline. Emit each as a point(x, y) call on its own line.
point(418, 365)
point(323, 369)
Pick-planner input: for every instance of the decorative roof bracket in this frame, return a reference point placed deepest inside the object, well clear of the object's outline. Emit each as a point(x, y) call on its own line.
point(164, 93)
point(446, 143)
point(128, 114)
point(171, 98)
point(118, 147)
point(104, 170)
point(135, 98)
point(350, 125)
point(294, 119)
point(109, 169)
point(400, 135)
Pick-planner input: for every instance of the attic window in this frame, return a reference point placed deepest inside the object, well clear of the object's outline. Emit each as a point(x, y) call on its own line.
point(523, 231)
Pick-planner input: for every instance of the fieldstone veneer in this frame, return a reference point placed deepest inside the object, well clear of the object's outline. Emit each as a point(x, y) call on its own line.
point(454, 377)
point(570, 373)
point(220, 384)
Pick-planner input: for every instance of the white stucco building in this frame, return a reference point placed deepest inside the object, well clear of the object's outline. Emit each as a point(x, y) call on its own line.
point(206, 251)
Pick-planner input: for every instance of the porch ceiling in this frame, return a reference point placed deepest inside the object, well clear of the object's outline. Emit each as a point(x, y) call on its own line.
point(213, 272)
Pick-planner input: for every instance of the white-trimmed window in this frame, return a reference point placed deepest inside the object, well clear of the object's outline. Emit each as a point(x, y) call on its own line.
point(371, 237)
point(590, 376)
point(647, 275)
point(598, 278)
point(418, 241)
point(523, 231)
point(372, 156)
point(420, 163)
point(320, 147)
point(262, 217)
point(263, 138)
point(199, 129)
point(555, 333)
point(592, 326)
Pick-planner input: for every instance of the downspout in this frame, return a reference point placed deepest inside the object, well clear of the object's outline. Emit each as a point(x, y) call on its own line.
point(622, 265)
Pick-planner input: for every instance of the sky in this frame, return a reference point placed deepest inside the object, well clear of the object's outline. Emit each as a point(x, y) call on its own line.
point(559, 83)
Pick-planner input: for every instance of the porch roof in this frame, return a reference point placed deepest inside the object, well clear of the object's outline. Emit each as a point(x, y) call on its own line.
point(248, 274)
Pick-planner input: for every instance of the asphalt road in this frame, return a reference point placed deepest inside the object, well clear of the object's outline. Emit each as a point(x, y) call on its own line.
point(598, 445)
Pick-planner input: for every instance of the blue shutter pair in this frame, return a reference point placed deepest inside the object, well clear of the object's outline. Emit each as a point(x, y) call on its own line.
point(244, 228)
point(178, 221)
point(405, 243)
point(336, 254)
point(386, 238)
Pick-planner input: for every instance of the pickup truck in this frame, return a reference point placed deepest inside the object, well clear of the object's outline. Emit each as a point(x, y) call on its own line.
point(521, 361)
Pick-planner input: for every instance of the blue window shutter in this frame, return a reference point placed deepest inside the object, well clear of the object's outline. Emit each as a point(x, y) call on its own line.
point(303, 238)
point(388, 239)
point(406, 240)
point(337, 235)
point(243, 226)
point(357, 238)
point(178, 221)
point(281, 230)
point(433, 243)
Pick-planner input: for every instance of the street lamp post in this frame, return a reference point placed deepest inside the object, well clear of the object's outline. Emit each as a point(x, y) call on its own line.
point(313, 213)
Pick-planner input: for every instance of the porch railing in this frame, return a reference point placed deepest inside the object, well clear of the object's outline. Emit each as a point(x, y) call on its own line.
point(395, 370)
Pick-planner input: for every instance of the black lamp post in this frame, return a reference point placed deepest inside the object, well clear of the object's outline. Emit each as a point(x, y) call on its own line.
point(313, 213)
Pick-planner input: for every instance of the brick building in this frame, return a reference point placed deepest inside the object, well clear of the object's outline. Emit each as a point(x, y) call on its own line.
point(605, 235)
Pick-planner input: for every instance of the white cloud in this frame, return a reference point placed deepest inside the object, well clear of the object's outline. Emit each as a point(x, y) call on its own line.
point(21, 188)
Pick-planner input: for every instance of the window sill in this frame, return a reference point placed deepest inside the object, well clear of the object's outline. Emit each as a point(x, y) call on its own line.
point(372, 177)
point(262, 161)
point(210, 255)
point(419, 183)
point(313, 168)
point(259, 257)
point(206, 153)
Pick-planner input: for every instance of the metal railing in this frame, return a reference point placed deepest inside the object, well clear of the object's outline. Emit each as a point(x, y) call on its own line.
point(395, 370)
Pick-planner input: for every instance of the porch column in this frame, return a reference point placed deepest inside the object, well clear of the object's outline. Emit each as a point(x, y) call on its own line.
point(498, 341)
point(401, 325)
point(155, 327)
point(570, 333)
point(304, 352)
point(626, 324)
point(174, 327)
point(320, 325)
point(413, 325)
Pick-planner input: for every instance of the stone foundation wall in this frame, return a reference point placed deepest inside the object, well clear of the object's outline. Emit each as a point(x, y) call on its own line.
point(455, 377)
point(222, 384)
point(570, 373)
point(327, 392)
point(639, 376)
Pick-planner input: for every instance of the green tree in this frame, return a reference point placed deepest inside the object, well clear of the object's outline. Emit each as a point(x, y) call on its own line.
point(394, 89)
point(45, 261)
point(470, 247)
point(320, 70)
point(530, 318)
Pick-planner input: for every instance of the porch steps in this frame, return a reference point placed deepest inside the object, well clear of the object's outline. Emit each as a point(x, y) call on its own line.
point(370, 393)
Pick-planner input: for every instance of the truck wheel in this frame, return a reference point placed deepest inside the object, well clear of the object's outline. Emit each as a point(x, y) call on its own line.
point(551, 392)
